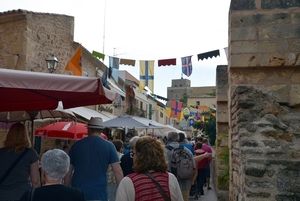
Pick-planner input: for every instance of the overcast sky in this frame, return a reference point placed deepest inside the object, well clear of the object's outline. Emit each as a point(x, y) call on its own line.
point(147, 30)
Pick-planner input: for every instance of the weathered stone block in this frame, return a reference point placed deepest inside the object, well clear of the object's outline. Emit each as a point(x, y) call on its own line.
point(289, 181)
point(259, 19)
point(272, 59)
point(257, 195)
point(293, 59)
point(295, 77)
point(244, 33)
point(245, 47)
point(271, 4)
point(222, 141)
point(295, 46)
point(249, 143)
point(295, 18)
point(258, 184)
point(295, 95)
point(287, 197)
point(242, 5)
point(273, 46)
point(255, 170)
point(247, 103)
point(280, 92)
point(279, 31)
point(222, 116)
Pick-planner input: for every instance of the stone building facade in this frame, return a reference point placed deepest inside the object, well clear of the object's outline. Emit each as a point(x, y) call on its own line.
point(263, 100)
point(28, 38)
point(205, 96)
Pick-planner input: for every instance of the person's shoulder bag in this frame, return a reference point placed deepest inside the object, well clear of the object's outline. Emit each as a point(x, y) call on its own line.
point(159, 187)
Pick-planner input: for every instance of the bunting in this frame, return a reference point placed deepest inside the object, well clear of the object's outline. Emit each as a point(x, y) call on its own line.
point(187, 68)
point(176, 107)
point(75, 63)
point(146, 75)
point(166, 62)
point(98, 55)
point(114, 67)
point(210, 54)
point(163, 110)
point(128, 62)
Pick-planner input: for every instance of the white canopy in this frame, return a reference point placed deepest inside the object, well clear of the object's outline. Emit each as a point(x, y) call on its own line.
point(88, 113)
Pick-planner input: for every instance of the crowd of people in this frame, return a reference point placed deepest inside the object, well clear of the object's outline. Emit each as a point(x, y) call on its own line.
point(94, 168)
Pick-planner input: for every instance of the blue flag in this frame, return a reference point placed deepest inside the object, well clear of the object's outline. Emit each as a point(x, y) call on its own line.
point(104, 79)
point(114, 65)
point(187, 68)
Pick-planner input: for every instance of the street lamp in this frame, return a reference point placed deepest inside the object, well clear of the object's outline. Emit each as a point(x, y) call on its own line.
point(52, 63)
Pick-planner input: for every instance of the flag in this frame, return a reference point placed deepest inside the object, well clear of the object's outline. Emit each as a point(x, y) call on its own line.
point(187, 68)
point(191, 122)
point(166, 62)
point(163, 110)
point(176, 108)
point(128, 62)
point(207, 55)
point(226, 52)
point(75, 64)
point(198, 116)
point(98, 55)
point(146, 75)
point(104, 79)
point(114, 67)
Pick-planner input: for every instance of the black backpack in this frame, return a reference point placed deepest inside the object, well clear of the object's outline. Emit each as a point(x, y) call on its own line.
point(181, 162)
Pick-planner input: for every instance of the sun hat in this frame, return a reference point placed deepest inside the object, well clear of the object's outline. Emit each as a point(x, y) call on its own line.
point(95, 122)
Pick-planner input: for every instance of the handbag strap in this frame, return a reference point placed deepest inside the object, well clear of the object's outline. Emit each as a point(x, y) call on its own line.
point(158, 186)
point(13, 165)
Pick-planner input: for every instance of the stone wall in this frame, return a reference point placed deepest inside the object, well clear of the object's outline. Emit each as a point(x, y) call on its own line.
point(222, 152)
point(264, 104)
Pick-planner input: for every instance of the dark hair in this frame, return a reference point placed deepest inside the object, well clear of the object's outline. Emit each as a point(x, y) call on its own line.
point(181, 137)
point(199, 145)
point(118, 144)
point(199, 139)
point(205, 140)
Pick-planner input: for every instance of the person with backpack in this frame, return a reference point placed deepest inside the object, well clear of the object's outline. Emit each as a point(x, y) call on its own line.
point(181, 163)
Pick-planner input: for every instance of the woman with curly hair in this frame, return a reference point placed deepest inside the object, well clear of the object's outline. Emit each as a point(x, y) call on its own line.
point(25, 174)
point(149, 157)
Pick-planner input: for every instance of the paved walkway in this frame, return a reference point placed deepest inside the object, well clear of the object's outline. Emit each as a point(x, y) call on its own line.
point(209, 195)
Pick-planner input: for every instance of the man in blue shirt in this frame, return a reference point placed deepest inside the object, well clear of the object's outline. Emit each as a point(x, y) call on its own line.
point(184, 143)
point(89, 160)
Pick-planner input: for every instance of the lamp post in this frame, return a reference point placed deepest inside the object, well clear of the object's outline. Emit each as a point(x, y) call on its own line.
point(52, 63)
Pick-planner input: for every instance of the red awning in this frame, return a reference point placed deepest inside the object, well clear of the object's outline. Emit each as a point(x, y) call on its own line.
point(24, 90)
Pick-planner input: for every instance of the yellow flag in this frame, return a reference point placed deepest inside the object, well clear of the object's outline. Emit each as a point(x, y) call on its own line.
point(146, 75)
point(75, 64)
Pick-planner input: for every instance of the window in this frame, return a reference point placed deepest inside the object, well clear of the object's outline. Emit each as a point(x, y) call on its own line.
point(197, 102)
point(161, 115)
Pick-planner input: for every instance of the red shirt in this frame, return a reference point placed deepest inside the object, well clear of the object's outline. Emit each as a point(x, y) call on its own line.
point(203, 162)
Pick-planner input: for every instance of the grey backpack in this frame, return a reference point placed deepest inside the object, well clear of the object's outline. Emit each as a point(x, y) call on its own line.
point(181, 162)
